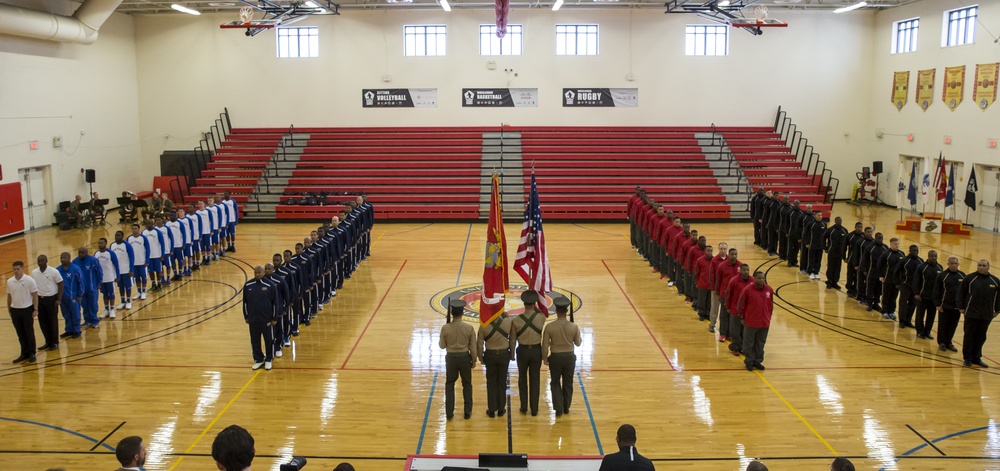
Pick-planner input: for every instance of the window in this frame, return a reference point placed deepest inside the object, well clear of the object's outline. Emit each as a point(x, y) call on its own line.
point(300, 41)
point(491, 45)
point(960, 26)
point(904, 35)
point(576, 40)
point(706, 40)
point(424, 40)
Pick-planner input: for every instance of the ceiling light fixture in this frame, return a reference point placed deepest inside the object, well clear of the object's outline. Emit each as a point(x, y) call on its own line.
point(724, 3)
point(184, 9)
point(445, 5)
point(851, 7)
point(556, 6)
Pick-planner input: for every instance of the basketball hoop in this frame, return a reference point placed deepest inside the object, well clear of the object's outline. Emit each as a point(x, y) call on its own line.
point(246, 15)
point(760, 12)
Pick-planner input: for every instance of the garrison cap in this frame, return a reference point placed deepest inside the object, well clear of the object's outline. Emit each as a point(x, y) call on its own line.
point(562, 302)
point(456, 304)
point(529, 297)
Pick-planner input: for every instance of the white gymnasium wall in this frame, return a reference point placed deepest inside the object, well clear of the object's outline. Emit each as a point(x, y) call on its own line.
point(51, 89)
point(969, 126)
point(818, 69)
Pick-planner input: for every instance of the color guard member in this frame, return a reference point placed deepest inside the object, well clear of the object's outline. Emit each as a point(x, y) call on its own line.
point(558, 340)
point(459, 339)
point(528, 334)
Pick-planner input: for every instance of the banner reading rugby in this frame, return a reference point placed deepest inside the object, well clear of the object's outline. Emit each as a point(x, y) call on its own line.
point(500, 97)
point(399, 98)
point(601, 97)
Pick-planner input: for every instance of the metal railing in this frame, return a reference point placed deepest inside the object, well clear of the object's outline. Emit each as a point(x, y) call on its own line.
point(805, 154)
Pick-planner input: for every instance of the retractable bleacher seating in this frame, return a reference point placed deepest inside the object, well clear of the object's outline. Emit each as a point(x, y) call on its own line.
point(443, 173)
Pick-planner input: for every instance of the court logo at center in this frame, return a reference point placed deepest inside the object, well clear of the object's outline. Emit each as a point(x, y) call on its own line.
point(471, 295)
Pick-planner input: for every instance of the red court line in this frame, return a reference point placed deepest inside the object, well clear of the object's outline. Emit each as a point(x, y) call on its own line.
point(657, 342)
point(370, 319)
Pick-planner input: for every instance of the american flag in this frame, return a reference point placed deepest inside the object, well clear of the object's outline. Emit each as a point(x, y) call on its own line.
point(532, 262)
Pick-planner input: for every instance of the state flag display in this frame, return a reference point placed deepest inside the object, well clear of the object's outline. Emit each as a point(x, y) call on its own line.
point(495, 281)
point(941, 178)
point(532, 261)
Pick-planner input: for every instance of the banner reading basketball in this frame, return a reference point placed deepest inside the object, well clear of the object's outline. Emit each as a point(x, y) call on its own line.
point(495, 282)
point(925, 88)
point(900, 88)
point(985, 91)
point(954, 86)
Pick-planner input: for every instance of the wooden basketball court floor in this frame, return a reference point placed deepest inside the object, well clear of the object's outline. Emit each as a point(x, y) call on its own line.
point(365, 383)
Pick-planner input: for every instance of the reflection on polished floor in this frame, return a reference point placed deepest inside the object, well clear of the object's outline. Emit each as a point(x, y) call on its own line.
point(365, 382)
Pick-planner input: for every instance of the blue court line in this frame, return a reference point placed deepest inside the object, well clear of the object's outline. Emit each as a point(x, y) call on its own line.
point(600, 449)
point(78, 434)
point(464, 250)
point(427, 413)
point(936, 440)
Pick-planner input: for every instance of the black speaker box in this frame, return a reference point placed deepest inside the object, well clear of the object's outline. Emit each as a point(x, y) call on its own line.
point(91, 175)
point(877, 167)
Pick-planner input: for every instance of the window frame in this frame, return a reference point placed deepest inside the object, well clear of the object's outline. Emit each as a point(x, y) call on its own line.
point(488, 31)
point(966, 22)
point(441, 42)
point(312, 38)
point(909, 29)
point(702, 30)
point(563, 45)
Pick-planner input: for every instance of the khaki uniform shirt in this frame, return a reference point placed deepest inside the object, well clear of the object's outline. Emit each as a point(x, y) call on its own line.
point(458, 337)
point(496, 341)
point(528, 336)
point(561, 335)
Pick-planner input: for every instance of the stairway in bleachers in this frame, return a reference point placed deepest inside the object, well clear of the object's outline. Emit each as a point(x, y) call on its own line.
point(584, 173)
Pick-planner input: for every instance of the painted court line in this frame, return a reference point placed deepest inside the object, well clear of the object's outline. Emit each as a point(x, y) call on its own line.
point(593, 425)
point(797, 414)
point(465, 250)
point(427, 413)
point(370, 319)
point(217, 417)
point(55, 427)
point(636, 311)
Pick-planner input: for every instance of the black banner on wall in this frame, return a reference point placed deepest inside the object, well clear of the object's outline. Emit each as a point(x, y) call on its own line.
point(601, 97)
point(399, 98)
point(500, 97)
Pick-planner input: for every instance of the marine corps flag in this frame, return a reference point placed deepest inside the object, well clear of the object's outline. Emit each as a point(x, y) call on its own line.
point(495, 282)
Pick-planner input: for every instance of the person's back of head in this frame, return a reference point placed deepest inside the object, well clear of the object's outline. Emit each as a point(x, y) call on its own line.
point(626, 435)
point(233, 449)
point(756, 466)
point(344, 467)
point(841, 464)
point(129, 452)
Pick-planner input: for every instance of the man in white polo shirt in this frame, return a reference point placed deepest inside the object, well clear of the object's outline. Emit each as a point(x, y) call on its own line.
point(22, 304)
point(50, 292)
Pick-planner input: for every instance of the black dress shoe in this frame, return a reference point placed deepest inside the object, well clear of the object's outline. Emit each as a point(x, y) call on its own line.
point(559, 413)
point(523, 410)
point(65, 334)
point(981, 363)
point(921, 336)
point(54, 346)
point(449, 417)
point(565, 411)
point(967, 364)
point(951, 347)
point(534, 413)
point(501, 412)
point(910, 325)
point(31, 359)
point(19, 359)
point(490, 413)
point(43, 347)
point(759, 366)
point(928, 336)
point(468, 415)
point(749, 367)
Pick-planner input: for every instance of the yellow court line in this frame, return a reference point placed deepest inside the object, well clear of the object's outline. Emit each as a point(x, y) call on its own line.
point(216, 419)
point(379, 238)
point(797, 414)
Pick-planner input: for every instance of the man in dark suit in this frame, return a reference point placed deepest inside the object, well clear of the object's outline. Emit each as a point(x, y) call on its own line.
point(627, 458)
point(131, 453)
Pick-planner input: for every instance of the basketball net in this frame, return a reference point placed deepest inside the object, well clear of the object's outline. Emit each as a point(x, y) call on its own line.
point(760, 12)
point(246, 15)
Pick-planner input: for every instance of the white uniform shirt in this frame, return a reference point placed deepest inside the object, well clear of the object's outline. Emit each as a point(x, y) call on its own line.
point(232, 208)
point(20, 291)
point(176, 231)
point(121, 251)
point(213, 212)
point(153, 236)
point(47, 282)
point(167, 244)
point(223, 213)
point(138, 249)
point(204, 221)
point(108, 269)
point(186, 229)
point(194, 221)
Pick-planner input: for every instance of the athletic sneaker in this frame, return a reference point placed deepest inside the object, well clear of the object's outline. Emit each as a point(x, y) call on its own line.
point(128, 305)
point(267, 365)
point(120, 306)
point(256, 366)
point(320, 307)
point(288, 342)
point(106, 313)
point(277, 353)
point(136, 296)
point(143, 295)
point(112, 313)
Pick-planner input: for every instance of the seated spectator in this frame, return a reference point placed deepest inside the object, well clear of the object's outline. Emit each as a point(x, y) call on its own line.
point(756, 466)
point(168, 206)
point(628, 458)
point(131, 453)
point(156, 206)
point(128, 212)
point(841, 464)
point(96, 208)
point(74, 208)
point(233, 449)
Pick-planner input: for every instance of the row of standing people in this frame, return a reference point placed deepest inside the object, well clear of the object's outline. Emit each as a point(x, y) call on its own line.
point(882, 277)
point(181, 245)
point(290, 291)
point(719, 287)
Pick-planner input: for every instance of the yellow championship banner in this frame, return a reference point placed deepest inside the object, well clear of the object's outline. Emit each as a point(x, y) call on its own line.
point(900, 88)
point(954, 86)
point(925, 88)
point(986, 85)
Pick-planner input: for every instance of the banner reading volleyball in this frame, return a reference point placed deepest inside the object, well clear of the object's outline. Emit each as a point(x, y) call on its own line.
point(495, 282)
point(900, 88)
point(925, 88)
point(985, 91)
point(954, 86)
